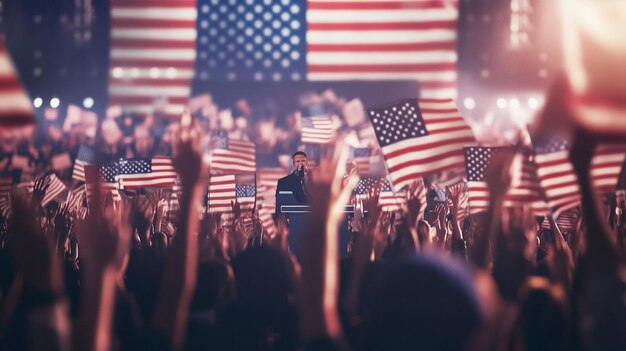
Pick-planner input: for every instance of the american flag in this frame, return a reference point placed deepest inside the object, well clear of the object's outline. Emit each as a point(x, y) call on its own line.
point(153, 52)
point(524, 189)
point(606, 166)
point(246, 191)
point(6, 184)
point(5, 206)
point(267, 179)
point(317, 130)
point(557, 176)
point(362, 160)
point(319, 40)
point(419, 137)
point(155, 172)
point(15, 108)
point(364, 186)
point(233, 156)
point(55, 188)
point(621, 183)
point(391, 201)
point(105, 175)
point(86, 156)
point(75, 198)
point(221, 193)
point(565, 221)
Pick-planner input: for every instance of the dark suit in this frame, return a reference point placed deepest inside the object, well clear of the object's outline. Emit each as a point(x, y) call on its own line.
point(292, 183)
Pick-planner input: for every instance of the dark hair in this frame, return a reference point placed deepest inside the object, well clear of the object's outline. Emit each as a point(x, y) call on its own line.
point(298, 153)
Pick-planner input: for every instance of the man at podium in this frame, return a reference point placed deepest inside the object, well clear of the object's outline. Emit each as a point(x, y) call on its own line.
point(296, 180)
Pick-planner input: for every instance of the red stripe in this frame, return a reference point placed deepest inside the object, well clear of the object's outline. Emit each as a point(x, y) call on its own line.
point(134, 23)
point(157, 82)
point(10, 83)
point(432, 170)
point(14, 118)
point(159, 63)
point(435, 101)
point(556, 162)
point(561, 186)
point(450, 130)
point(417, 148)
point(154, 3)
point(424, 161)
point(416, 67)
point(436, 84)
point(383, 26)
point(446, 45)
point(438, 110)
point(152, 44)
point(376, 5)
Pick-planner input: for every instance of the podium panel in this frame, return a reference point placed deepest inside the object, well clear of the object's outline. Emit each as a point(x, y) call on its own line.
point(297, 216)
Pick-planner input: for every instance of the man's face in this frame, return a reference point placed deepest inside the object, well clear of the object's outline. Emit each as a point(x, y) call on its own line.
point(299, 160)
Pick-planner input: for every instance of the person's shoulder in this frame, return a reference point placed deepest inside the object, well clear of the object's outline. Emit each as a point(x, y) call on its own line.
point(286, 178)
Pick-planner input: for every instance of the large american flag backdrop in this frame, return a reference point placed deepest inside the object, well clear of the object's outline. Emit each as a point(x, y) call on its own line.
point(158, 47)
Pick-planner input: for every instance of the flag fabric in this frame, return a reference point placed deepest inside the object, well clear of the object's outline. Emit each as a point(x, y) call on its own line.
point(317, 130)
point(621, 180)
point(233, 156)
point(104, 175)
point(86, 156)
point(75, 198)
point(155, 172)
point(221, 192)
point(267, 180)
point(15, 106)
point(5, 206)
point(153, 52)
point(6, 184)
point(362, 160)
point(606, 167)
point(524, 189)
point(246, 191)
point(390, 201)
point(318, 40)
point(567, 220)
point(55, 188)
point(364, 186)
point(557, 175)
point(420, 137)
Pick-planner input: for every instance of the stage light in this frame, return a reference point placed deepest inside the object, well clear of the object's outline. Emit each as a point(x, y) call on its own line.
point(533, 103)
point(88, 102)
point(514, 103)
point(469, 103)
point(37, 102)
point(501, 103)
point(155, 72)
point(55, 102)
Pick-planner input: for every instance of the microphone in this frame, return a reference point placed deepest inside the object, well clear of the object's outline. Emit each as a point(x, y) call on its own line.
point(301, 171)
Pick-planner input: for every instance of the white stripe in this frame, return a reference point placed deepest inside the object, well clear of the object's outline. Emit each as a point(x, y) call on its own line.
point(380, 57)
point(380, 16)
point(598, 160)
point(379, 37)
point(438, 93)
point(421, 169)
point(166, 13)
point(556, 181)
point(148, 90)
point(154, 54)
point(14, 101)
point(6, 67)
point(448, 76)
point(146, 72)
point(154, 33)
point(440, 126)
point(553, 156)
point(446, 105)
point(606, 170)
point(171, 109)
point(572, 189)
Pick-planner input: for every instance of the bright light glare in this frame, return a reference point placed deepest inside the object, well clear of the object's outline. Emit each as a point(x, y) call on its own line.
point(469, 103)
point(514, 103)
point(37, 102)
point(88, 102)
point(55, 102)
point(501, 102)
point(533, 103)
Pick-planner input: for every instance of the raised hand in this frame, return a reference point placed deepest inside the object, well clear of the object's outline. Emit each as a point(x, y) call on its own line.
point(187, 157)
point(39, 189)
point(415, 205)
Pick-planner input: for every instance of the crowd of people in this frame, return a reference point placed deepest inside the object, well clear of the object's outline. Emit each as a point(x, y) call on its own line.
point(130, 273)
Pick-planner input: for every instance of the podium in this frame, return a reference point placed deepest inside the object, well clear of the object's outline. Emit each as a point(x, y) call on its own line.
point(297, 217)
